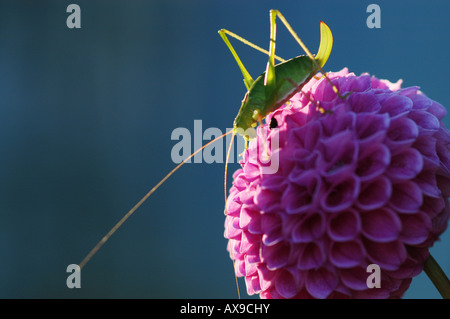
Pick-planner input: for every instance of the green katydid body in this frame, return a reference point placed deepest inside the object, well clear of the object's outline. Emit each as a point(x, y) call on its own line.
point(255, 105)
point(268, 93)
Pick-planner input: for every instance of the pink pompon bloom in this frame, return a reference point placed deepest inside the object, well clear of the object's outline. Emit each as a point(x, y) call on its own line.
point(365, 182)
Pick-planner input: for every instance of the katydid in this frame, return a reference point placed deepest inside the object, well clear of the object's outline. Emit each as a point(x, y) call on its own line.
point(278, 83)
point(264, 95)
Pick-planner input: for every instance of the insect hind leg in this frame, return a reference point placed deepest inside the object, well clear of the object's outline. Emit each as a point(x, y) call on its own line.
point(322, 53)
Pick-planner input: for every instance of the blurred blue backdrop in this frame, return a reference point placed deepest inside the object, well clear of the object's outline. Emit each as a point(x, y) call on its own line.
point(86, 118)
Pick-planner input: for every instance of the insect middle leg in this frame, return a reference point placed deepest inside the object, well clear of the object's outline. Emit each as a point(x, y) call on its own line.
point(318, 107)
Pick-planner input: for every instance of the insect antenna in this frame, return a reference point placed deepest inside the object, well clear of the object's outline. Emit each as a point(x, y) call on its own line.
point(266, 149)
point(143, 199)
point(226, 196)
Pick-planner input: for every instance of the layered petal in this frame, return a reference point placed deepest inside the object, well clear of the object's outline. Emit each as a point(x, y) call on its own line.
point(365, 182)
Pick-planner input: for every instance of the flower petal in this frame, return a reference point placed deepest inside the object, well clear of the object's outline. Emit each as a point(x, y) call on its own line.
point(402, 131)
point(275, 256)
point(321, 282)
point(406, 197)
point(374, 194)
point(396, 105)
point(344, 226)
point(405, 165)
point(286, 283)
point(373, 162)
point(309, 229)
point(427, 122)
point(368, 124)
point(341, 195)
point(381, 225)
point(415, 228)
point(347, 254)
point(354, 278)
point(389, 256)
point(312, 256)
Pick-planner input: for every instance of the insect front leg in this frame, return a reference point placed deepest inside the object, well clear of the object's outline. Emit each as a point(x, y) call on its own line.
point(223, 32)
point(248, 80)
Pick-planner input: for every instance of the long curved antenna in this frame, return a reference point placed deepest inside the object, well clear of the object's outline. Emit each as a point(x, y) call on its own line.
point(131, 211)
point(225, 191)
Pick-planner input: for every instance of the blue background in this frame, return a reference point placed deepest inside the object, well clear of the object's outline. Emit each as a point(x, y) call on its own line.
point(86, 117)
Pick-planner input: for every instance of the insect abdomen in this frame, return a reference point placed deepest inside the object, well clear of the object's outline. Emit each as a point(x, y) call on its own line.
point(290, 77)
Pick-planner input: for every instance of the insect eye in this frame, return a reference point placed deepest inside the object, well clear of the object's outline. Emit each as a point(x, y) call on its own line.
point(273, 123)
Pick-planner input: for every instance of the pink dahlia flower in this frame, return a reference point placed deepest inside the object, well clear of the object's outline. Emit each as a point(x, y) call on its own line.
point(365, 182)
